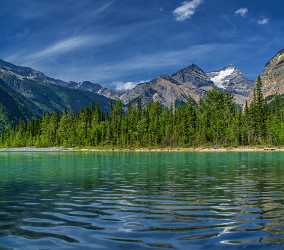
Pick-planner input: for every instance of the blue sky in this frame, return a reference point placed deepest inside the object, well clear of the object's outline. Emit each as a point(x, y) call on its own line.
point(113, 41)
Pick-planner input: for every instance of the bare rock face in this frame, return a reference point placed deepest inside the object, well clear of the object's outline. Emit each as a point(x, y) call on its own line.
point(164, 90)
point(273, 76)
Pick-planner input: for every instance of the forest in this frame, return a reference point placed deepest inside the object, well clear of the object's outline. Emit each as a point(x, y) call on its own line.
point(215, 122)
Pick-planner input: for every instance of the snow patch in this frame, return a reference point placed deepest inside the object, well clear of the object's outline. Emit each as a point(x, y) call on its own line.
point(30, 77)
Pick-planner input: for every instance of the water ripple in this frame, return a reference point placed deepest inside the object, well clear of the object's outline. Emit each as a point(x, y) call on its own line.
point(142, 201)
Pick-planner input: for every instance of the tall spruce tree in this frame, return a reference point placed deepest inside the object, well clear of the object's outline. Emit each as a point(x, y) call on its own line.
point(259, 115)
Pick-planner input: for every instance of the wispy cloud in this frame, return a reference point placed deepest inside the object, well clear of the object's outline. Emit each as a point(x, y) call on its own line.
point(242, 12)
point(128, 68)
point(123, 73)
point(186, 10)
point(88, 15)
point(61, 47)
point(104, 7)
point(263, 20)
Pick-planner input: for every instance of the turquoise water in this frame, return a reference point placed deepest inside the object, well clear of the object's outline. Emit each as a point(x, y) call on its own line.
point(141, 201)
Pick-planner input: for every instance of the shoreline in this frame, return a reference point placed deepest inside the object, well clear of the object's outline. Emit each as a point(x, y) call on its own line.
point(189, 150)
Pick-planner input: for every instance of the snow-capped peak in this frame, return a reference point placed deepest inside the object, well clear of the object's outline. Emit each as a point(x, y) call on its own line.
point(222, 76)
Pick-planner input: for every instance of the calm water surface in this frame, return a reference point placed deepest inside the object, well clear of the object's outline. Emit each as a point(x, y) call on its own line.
point(141, 201)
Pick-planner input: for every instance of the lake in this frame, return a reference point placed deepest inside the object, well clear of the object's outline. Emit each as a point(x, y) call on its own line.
point(141, 201)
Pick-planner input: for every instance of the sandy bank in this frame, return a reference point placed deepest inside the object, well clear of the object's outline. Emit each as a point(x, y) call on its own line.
point(33, 149)
point(199, 149)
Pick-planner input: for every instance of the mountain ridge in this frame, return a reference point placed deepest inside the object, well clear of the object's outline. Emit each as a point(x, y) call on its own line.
point(41, 94)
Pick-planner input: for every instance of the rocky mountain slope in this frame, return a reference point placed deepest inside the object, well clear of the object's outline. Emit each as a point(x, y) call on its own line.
point(273, 76)
point(95, 88)
point(190, 82)
point(13, 107)
point(27, 93)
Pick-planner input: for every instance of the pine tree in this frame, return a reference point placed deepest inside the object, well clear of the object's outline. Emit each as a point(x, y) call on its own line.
point(259, 115)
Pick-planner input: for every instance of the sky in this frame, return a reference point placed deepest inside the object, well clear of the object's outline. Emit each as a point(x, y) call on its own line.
point(122, 42)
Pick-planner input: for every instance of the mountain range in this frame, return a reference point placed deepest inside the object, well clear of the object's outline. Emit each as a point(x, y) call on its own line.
point(26, 93)
point(191, 82)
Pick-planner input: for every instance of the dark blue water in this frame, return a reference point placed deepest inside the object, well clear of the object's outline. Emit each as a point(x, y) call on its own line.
point(142, 201)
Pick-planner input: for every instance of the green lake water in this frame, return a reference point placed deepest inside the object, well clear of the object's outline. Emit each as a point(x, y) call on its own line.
point(141, 201)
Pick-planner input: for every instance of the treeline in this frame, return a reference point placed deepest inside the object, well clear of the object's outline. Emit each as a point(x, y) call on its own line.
point(216, 121)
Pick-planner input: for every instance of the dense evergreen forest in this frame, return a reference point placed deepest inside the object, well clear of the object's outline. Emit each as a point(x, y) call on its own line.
point(215, 121)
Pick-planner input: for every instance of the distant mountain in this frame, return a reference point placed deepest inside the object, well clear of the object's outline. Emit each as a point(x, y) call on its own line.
point(190, 83)
point(27, 93)
point(273, 75)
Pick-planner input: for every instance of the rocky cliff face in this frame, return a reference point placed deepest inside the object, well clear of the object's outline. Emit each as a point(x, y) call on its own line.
point(273, 76)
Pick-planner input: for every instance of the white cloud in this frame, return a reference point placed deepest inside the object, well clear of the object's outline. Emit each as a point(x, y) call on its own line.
point(186, 10)
point(122, 86)
point(263, 20)
point(242, 12)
